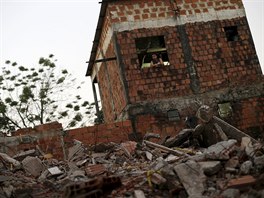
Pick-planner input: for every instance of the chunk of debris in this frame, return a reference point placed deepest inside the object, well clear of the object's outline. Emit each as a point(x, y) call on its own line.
point(148, 136)
point(7, 160)
point(246, 167)
point(164, 148)
point(55, 171)
point(22, 155)
point(129, 148)
point(231, 131)
point(259, 162)
point(220, 150)
point(156, 179)
point(242, 182)
point(247, 146)
point(179, 139)
point(33, 166)
point(210, 167)
point(95, 170)
point(139, 194)
point(231, 193)
point(192, 177)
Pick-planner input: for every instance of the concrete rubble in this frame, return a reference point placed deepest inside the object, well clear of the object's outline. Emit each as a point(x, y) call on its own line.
point(233, 166)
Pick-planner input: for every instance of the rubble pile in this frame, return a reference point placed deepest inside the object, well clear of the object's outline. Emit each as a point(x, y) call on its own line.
point(229, 164)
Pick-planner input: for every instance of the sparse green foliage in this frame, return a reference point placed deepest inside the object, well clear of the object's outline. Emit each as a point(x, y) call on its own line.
point(40, 94)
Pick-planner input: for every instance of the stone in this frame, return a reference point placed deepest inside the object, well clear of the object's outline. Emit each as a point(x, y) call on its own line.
point(220, 150)
point(33, 166)
point(247, 146)
point(172, 158)
point(157, 179)
point(246, 167)
point(231, 193)
point(167, 171)
point(149, 156)
point(192, 177)
point(210, 167)
point(159, 164)
point(259, 162)
point(232, 162)
point(139, 194)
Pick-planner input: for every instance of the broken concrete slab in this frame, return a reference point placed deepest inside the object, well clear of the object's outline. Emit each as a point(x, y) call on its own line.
point(55, 171)
point(9, 160)
point(221, 150)
point(231, 131)
point(192, 177)
point(23, 154)
point(33, 166)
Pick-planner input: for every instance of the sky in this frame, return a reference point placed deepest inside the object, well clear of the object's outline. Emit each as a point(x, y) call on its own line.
point(30, 29)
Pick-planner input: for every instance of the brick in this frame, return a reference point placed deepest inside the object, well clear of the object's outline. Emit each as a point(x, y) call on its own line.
point(95, 170)
point(242, 182)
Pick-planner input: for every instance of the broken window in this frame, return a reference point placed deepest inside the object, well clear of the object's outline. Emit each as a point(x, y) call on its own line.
point(147, 46)
point(174, 115)
point(231, 33)
point(225, 110)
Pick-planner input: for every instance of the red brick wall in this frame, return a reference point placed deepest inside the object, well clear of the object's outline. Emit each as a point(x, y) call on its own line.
point(110, 84)
point(139, 10)
point(105, 92)
point(159, 82)
point(250, 116)
point(112, 132)
point(219, 63)
point(48, 137)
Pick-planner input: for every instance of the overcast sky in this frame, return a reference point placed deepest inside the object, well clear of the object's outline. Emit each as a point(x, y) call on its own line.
point(30, 29)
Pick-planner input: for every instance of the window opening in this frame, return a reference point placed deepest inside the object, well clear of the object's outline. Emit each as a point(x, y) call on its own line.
point(173, 115)
point(231, 33)
point(225, 110)
point(147, 46)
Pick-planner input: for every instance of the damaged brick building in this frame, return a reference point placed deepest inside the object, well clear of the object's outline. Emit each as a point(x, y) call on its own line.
point(209, 58)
